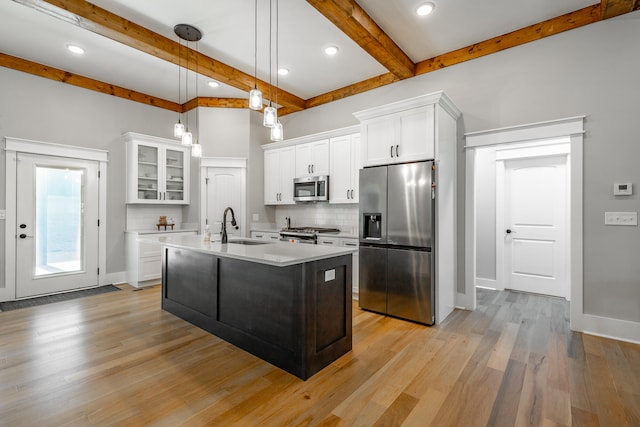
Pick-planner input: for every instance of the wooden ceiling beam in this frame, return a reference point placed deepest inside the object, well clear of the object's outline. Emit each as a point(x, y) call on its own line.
point(354, 89)
point(612, 8)
point(36, 69)
point(569, 21)
point(204, 101)
point(352, 20)
point(100, 21)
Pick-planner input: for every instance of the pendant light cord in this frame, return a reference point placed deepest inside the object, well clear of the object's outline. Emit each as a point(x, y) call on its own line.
point(179, 82)
point(197, 121)
point(186, 88)
point(277, 52)
point(270, 46)
point(255, 46)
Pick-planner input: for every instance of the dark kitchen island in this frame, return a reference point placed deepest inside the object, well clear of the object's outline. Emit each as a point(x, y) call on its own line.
point(288, 304)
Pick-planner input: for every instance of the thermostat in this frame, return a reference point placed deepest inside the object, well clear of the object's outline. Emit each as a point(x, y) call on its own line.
point(623, 189)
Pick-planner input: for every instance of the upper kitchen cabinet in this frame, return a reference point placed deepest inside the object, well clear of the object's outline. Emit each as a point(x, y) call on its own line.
point(312, 158)
point(158, 170)
point(279, 171)
point(344, 167)
point(404, 131)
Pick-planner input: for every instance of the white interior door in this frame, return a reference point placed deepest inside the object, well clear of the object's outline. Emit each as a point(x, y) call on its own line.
point(225, 188)
point(57, 224)
point(535, 216)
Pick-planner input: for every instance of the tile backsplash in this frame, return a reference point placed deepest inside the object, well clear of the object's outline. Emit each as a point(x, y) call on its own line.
point(344, 217)
point(145, 217)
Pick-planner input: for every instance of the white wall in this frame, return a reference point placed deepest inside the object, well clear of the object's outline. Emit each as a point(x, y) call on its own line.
point(44, 110)
point(588, 71)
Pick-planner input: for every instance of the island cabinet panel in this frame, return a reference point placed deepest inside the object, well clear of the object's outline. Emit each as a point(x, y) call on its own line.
point(193, 277)
point(271, 310)
point(296, 317)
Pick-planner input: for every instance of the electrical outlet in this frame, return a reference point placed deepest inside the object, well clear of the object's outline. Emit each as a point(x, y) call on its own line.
point(621, 218)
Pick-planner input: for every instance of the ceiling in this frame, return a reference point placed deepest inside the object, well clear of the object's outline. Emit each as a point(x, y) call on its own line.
point(38, 31)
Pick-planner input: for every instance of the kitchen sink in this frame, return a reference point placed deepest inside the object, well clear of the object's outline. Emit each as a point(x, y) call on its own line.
point(248, 242)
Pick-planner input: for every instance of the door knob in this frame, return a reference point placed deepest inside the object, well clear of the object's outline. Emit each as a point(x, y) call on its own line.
point(24, 236)
point(509, 231)
point(23, 225)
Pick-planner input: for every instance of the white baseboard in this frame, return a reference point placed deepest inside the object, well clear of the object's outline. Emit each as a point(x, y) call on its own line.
point(486, 283)
point(115, 278)
point(607, 327)
point(465, 301)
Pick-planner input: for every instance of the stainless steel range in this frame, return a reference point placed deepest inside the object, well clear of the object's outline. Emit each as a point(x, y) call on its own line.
point(308, 235)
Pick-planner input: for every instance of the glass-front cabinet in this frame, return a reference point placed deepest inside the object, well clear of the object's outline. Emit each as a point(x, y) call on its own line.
point(157, 170)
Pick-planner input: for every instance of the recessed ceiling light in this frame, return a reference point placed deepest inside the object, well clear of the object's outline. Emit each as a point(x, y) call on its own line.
point(283, 71)
point(425, 9)
point(213, 84)
point(75, 49)
point(331, 50)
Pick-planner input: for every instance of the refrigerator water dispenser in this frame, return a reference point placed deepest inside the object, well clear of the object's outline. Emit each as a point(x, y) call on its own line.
point(373, 226)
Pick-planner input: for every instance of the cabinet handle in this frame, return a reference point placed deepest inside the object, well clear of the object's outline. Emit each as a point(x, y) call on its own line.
point(308, 168)
point(275, 237)
point(347, 194)
point(313, 167)
point(397, 151)
point(351, 194)
point(258, 236)
point(392, 151)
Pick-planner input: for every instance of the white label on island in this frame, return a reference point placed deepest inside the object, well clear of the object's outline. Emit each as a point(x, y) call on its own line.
point(330, 275)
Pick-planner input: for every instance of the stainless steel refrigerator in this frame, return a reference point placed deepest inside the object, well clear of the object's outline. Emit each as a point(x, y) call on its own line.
point(396, 241)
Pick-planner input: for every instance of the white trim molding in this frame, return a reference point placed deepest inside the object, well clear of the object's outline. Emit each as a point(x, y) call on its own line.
point(12, 147)
point(313, 137)
point(531, 132)
point(573, 128)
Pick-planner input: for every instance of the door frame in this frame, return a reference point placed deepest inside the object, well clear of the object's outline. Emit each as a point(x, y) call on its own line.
point(13, 146)
point(223, 162)
point(540, 149)
point(572, 127)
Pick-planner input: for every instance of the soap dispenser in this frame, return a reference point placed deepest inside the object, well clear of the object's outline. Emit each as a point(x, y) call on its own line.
point(207, 234)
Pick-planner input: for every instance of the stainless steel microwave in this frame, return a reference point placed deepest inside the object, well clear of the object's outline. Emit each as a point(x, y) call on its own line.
point(311, 189)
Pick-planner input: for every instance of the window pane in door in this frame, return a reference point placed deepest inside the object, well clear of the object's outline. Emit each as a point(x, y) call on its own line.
point(58, 222)
point(175, 175)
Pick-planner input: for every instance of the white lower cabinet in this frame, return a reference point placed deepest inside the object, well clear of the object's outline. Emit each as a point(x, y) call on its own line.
point(350, 242)
point(144, 258)
point(266, 235)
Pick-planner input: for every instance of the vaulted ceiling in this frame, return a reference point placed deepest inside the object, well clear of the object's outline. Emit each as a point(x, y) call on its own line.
point(132, 51)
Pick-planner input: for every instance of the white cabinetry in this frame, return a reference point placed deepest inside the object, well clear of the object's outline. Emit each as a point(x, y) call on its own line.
point(144, 257)
point(344, 167)
point(312, 158)
point(279, 171)
point(417, 129)
point(398, 137)
point(157, 170)
point(266, 235)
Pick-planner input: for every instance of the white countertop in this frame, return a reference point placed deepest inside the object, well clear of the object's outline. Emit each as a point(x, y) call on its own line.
point(280, 254)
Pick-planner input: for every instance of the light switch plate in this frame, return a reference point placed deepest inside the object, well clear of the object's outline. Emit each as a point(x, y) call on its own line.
point(3, 214)
point(621, 218)
point(330, 275)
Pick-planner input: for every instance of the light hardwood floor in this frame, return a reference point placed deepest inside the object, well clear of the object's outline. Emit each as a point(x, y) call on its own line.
point(118, 359)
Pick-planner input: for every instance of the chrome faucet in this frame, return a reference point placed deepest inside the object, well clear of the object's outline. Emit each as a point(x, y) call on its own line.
point(224, 223)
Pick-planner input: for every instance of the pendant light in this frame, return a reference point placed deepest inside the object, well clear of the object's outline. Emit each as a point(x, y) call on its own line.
point(189, 33)
point(255, 96)
point(277, 133)
point(178, 128)
point(196, 148)
point(270, 113)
